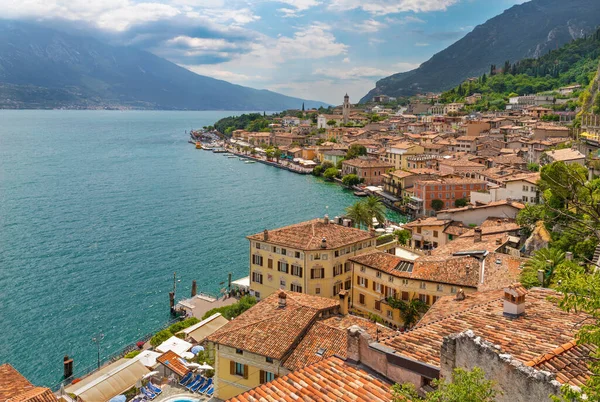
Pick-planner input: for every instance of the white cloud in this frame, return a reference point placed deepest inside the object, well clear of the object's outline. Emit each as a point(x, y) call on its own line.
point(383, 7)
point(300, 5)
point(327, 90)
point(421, 44)
point(353, 73)
point(404, 20)
point(405, 66)
point(346, 60)
point(368, 26)
point(230, 76)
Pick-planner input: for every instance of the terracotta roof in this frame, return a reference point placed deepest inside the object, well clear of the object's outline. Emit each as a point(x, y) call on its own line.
point(460, 162)
point(401, 174)
point(385, 262)
point(569, 362)
point(532, 178)
point(14, 387)
point(329, 336)
point(309, 235)
point(432, 221)
point(542, 328)
point(269, 330)
point(514, 204)
point(330, 380)
point(566, 154)
point(173, 362)
point(494, 226)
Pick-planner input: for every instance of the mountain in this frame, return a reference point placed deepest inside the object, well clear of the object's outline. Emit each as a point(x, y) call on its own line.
point(526, 30)
point(45, 68)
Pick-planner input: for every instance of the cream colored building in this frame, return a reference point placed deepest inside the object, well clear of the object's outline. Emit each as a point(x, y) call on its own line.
point(309, 257)
point(396, 153)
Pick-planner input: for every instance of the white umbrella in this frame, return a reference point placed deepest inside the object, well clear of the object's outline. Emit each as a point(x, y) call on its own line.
point(187, 355)
point(193, 365)
point(150, 374)
point(205, 366)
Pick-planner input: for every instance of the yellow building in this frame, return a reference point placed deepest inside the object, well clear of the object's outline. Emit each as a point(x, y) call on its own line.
point(309, 257)
point(378, 276)
point(396, 153)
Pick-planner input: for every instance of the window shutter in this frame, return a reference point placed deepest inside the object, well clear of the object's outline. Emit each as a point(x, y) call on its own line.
point(312, 273)
point(366, 283)
point(322, 273)
point(232, 367)
point(262, 377)
point(245, 371)
point(300, 272)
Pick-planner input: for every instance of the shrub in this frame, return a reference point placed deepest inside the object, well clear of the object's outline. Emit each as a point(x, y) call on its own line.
point(233, 310)
point(330, 173)
point(165, 334)
point(350, 180)
point(437, 204)
point(132, 354)
point(403, 236)
point(160, 337)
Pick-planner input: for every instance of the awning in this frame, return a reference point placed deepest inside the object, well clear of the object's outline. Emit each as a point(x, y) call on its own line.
point(388, 196)
point(202, 330)
point(148, 358)
point(175, 344)
point(243, 283)
point(109, 382)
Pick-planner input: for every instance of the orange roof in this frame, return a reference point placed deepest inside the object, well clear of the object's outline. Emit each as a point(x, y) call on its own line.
point(309, 235)
point(14, 387)
point(569, 362)
point(172, 361)
point(385, 262)
point(330, 335)
point(270, 330)
point(330, 380)
point(544, 327)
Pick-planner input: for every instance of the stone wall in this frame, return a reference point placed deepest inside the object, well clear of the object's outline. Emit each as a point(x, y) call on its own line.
point(516, 381)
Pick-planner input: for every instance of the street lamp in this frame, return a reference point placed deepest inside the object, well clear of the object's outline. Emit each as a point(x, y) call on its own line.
point(97, 339)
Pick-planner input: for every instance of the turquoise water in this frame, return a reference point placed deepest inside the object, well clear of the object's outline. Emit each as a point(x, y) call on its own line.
point(99, 208)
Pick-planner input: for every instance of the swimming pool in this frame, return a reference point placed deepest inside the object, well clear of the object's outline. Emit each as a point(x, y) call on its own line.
point(182, 398)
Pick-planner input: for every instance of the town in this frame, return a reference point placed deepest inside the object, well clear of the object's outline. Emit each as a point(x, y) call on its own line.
point(343, 308)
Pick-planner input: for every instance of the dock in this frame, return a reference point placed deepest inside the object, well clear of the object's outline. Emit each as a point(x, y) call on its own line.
point(200, 304)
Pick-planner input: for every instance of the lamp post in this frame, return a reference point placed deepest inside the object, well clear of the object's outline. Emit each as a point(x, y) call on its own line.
point(97, 339)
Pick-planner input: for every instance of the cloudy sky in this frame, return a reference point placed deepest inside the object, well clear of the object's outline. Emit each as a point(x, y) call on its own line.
point(314, 49)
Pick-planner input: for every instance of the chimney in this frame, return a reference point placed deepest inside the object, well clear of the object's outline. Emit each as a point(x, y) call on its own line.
point(477, 235)
point(324, 243)
point(353, 343)
point(498, 242)
point(514, 300)
point(266, 235)
point(460, 295)
point(282, 299)
point(343, 302)
point(326, 219)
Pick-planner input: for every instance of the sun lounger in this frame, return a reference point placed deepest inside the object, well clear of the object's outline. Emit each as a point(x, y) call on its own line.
point(206, 386)
point(148, 393)
point(196, 379)
point(186, 378)
point(198, 385)
point(154, 388)
point(210, 392)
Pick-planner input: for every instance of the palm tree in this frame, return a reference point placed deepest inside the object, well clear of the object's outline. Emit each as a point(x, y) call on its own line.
point(410, 311)
point(545, 260)
point(359, 214)
point(375, 209)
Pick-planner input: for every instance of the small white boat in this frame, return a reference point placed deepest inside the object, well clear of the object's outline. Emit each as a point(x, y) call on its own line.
point(250, 162)
point(232, 156)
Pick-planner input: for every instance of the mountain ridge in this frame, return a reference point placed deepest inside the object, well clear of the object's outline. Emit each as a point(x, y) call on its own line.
point(46, 68)
point(526, 30)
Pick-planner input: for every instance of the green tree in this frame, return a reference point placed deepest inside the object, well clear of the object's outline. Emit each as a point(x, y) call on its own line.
point(546, 260)
point(350, 180)
point(233, 310)
point(461, 202)
point(533, 167)
point(375, 209)
point(330, 173)
point(410, 311)
point(355, 151)
point(403, 236)
point(331, 123)
point(437, 204)
point(277, 154)
point(359, 215)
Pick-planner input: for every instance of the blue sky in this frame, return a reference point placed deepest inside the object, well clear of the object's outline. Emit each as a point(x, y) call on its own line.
point(314, 49)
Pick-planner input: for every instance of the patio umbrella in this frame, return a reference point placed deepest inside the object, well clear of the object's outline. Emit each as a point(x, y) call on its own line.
point(205, 366)
point(193, 365)
point(196, 349)
point(119, 398)
point(150, 374)
point(187, 355)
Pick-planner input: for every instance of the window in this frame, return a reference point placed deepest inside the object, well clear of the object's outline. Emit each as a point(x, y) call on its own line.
point(348, 284)
point(347, 266)
point(324, 256)
point(282, 283)
point(435, 233)
point(282, 266)
point(405, 296)
point(257, 294)
point(268, 376)
point(364, 282)
point(297, 254)
point(453, 289)
point(337, 287)
point(361, 299)
point(297, 270)
point(317, 273)
point(423, 298)
point(269, 359)
point(362, 269)
point(405, 282)
point(257, 277)
point(316, 257)
point(440, 288)
point(283, 251)
point(317, 291)
point(277, 250)
point(422, 285)
point(239, 369)
point(336, 253)
point(377, 305)
point(257, 259)
point(258, 246)
point(270, 263)
point(390, 279)
point(377, 287)
point(239, 351)
point(525, 188)
point(296, 288)
point(378, 274)
point(390, 314)
point(419, 229)
point(338, 269)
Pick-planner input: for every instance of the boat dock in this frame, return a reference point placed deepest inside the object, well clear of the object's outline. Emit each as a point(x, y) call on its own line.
point(200, 304)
